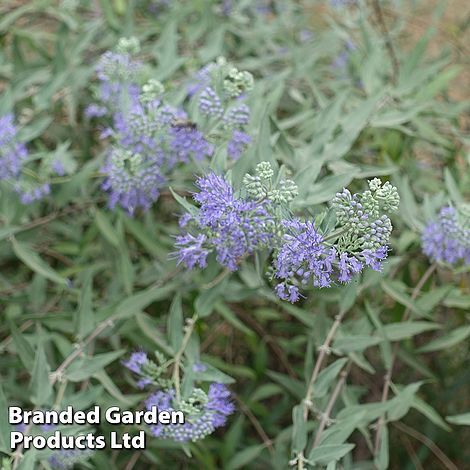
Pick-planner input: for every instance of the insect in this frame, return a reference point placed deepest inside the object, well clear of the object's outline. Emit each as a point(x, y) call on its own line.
point(184, 123)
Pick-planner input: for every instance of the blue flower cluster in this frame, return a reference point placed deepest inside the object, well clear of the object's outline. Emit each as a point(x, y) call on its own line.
point(204, 411)
point(149, 137)
point(228, 225)
point(67, 459)
point(13, 158)
point(447, 238)
point(306, 258)
point(235, 227)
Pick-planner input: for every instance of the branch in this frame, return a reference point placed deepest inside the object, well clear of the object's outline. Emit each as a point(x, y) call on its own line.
point(324, 351)
point(388, 375)
point(105, 324)
point(329, 407)
point(179, 355)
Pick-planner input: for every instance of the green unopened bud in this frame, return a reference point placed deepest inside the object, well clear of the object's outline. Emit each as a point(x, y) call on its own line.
point(152, 90)
point(264, 170)
point(288, 189)
point(388, 197)
point(129, 45)
point(254, 186)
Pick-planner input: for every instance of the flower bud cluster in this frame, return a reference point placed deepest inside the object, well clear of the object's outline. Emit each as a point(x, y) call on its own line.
point(149, 137)
point(204, 411)
point(302, 256)
point(260, 186)
point(364, 224)
point(150, 372)
point(220, 90)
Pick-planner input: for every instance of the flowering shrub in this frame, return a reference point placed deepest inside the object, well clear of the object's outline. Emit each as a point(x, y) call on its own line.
point(250, 214)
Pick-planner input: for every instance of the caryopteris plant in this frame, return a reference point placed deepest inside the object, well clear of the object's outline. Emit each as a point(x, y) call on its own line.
point(252, 215)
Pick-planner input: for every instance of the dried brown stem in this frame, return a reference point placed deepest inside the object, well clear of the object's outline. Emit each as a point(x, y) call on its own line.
point(388, 42)
point(256, 424)
point(431, 445)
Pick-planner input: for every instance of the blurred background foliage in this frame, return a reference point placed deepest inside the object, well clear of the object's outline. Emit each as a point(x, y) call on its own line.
point(342, 93)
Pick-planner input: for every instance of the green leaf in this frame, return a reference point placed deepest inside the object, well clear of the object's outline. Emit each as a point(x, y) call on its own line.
point(452, 187)
point(429, 412)
point(401, 330)
point(113, 390)
point(402, 402)
point(84, 315)
point(23, 348)
point(325, 453)
point(429, 300)
point(447, 341)
point(205, 302)
point(5, 427)
point(175, 323)
point(34, 262)
point(393, 289)
point(382, 459)
point(182, 201)
point(40, 385)
point(28, 462)
point(84, 368)
point(231, 318)
point(138, 231)
point(347, 344)
point(461, 420)
point(299, 429)
point(326, 377)
point(135, 303)
point(264, 151)
point(212, 374)
point(107, 230)
point(245, 457)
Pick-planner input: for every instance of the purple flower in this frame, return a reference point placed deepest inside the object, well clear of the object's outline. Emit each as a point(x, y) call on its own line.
point(446, 240)
point(374, 258)
point(29, 194)
point(220, 404)
point(13, 154)
point(200, 80)
point(210, 103)
point(162, 400)
point(191, 251)
point(66, 459)
point(143, 382)
point(237, 144)
point(58, 168)
point(199, 367)
point(136, 361)
point(304, 256)
point(131, 180)
point(348, 266)
point(188, 143)
point(204, 414)
point(238, 116)
point(94, 110)
point(232, 227)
